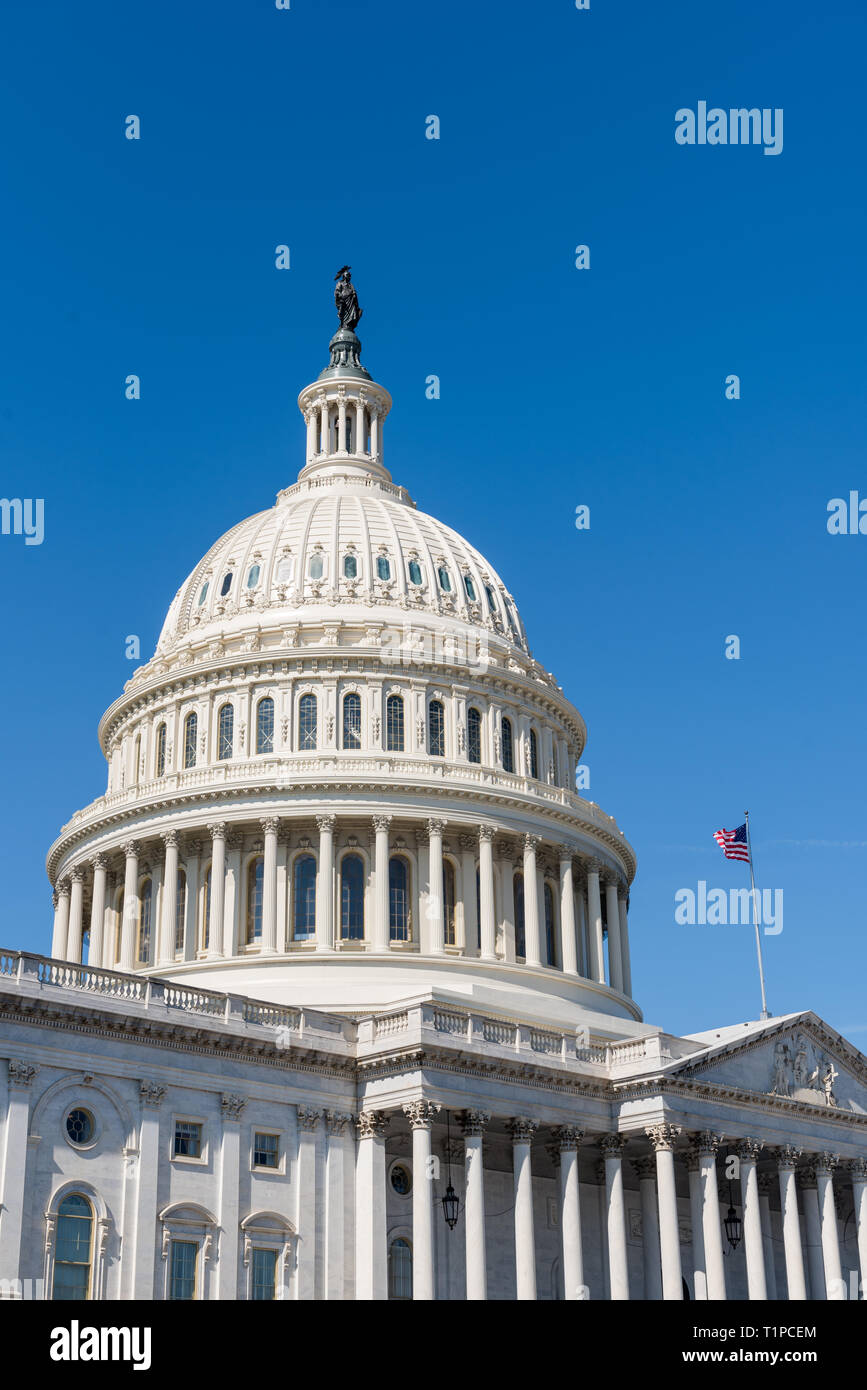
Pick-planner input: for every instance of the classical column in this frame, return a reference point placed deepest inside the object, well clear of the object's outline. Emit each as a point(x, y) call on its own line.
point(309, 1200)
point(375, 444)
point(813, 1233)
point(859, 1197)
point(325, 885)
point(532, 942)
point(488, 922)
point(713, 1252)
point(787, 1160)
point(339, 1205)
point(435, 906)
point(129, 921)
point(766, 1182)
point(748, 1151)
point(166, 946)
point(218, 887)
point(473, 1123)
point(580, 884)
point(646, 1169)
point(507, 899)
point(144, 1265)
point(99, 864)
point(618, 1271)
point(76, 916)
point(341, 426)
point(622, 902)
point(359, 427)
point(380, 884)
point(271, 827)
point(371, 1255)
point(61, 920)
point(110, 942)
point(663, 1138)
point(567, 1138)
point(615, 958)
point(20, 1076)
point(468, 893)
point(324, 428)
point(421, 1114)
point(699, 1277)
point(310, 420)
point(834, 1282)
point(568, 939)
point(594, 926)
point(522, 1131)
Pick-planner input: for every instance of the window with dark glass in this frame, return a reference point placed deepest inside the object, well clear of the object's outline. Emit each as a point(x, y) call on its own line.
point(352, 720)
point(534, 754)
point(206, 911)
point(180, 911)
point(449, 903)
point(394, 724)
point(255, 892)
point(520, 938)
point(350, 567)
point(307, 722)
point(489, 594)
point(253, 576)
point(266, 1150)
point(508, 747)
point(73, 1250)
point(317, 566)
point(352, 898)
point(400, 1269)
point(415, 572)
point(203, 593)
point(188, 1139)
point(226, 584)
point(436, 730)
point(474, 735)
point(79, 1126)
point(265, 725)
point(305, 898)
point(144, 921)
point(264, 1280)
point(191, 727)
point(161, 751)
point(445, 579)
point(549, 925)
point(383, 567)
point(470, 588)
point(225, 732)
point(182, 1270)
point(398, 899)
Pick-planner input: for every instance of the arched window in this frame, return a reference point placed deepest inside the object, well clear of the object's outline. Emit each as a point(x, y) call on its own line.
point(73, 1255)
point(436, 730)
point(226, 732)
point(445, 579)
point(414, 572)
point(307, 722)
point(180, 912)
point(226, 584)
point(352, 898)
point(350, 567)
point(474, 736)
point(317, 566)
point(161, 751)
point(144, 921)
point(394, 724)
point(383, 567)
point(265, 725)
point(549, 925)
point(305, 897)
point(398, 899)
point(534, 754)
point(253, 576)
point(508, 747)
point(352, 720)
point(449, 902)
point(400, 1269)
point(470, 588)
point(191, 731)
point(520, 936)
point(205, 931)
point(255, 890)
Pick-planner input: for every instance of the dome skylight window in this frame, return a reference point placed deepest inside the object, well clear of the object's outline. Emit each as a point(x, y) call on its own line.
point(445, 579)
point(203, 593)
point(317, 565)
point(415, 572)
point(253, 576)
point(226, 584)
point(470, 588)
point(383, 567)
point(350, 567)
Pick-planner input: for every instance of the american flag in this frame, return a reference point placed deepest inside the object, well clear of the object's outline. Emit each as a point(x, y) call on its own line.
point(734, 843)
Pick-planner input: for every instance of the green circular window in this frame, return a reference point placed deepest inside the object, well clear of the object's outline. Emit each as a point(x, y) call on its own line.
point(79, 1126)
point(401, 1180)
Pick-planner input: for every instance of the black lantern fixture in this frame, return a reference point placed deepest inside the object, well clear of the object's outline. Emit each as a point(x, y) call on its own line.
point(450, 1201)
point(732, 1223)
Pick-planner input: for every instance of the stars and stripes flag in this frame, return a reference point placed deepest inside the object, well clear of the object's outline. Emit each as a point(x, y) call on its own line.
point(734, 843)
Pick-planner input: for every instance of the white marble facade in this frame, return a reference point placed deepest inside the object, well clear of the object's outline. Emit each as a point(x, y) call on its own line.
point(341, 933)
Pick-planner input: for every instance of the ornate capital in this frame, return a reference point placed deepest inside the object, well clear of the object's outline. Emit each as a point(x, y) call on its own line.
point(522, 1129)
point(594, 866)
point(435, 827)
point(807, 1175)
point(170, 838)
point(645, 1167)
point(381, 824)
point(530, 843)
point(232, 1106)
point(708, 1142)
point(421, 1113)
point(77, 874)
point(21, 1073)
point(787, 1157)
point(474, 1122)
point(487, 833)
point(63, 886)
point(326, 824)
point(612, 1145)
point(270, 824)
point(217, 830)
point(151, 1093)
point(307, 1117)
point(336, 1121)
point(827, 1162)
point(858, 1169)
point(372, 1124)
point(130, 849)
point(467, 842)
point(663, 1136)
point(748, 1149)
point(567, 1137)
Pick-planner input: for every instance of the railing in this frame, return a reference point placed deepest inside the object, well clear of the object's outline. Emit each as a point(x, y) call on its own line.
point(194, 1001)
point(106, 982)
point(388, 1024)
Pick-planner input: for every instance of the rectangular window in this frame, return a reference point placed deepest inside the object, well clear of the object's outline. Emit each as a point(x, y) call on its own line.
point(266, 1151)
point(188, 1139)
point(182, 1273)
point(264, 1275)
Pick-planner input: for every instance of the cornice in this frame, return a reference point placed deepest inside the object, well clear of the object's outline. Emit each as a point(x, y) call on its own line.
point(719, 1093)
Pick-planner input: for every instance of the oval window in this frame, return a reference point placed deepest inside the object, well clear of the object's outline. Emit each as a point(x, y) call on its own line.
point(226, 584)
point(470, 588)
point(253, 576)
point(316, 567)
point(383, 568)
point(204, 593)
point(445, 580)
point(79, 1126)
point(415, 571)
point(350, 567)
point(401, 1180)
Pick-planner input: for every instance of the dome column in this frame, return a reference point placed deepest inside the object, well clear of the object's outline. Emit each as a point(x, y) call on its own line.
point(507, 899)
point(381, 826)
point(166, 944)
point(76, 917)
point(435, 906)
point(623, 907)
point(218, 887)
point(270, 826)
point(359, 426)
point(568, 940)
point(97, 910)
point(375, 436)
point(310, 419)
point(532, 944)
point(129, 919)
point(594, 913)
point(421, 1115)
point(468, 894)
point(61, 921)
point(488, 923)
point(324, 884)
point(341, 426)
point(615, 956)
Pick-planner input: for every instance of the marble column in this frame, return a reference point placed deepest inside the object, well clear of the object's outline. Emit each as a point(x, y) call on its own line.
point(166, 942)
point(532, 941)
point(468, 894)
point(612, 1146)
point(615, 958)
point(473, 1123)
point(522, 1131)
point(76, 915)
point(796, 1284)
point(754, 1248)
point(12, 1174)
point(310, 421)
point(699, 1277)
point(371, 1253)
point(359, 428)
point(813, 1232)
point(581, 925)
point(766, 1183)
point(308, 1199)
point(218, 887)
point(129, 921)
point(339, 1206)
point(271, 829)
point(835, 1285)
point(713, 1251)
point(488, 920)
point(99, 864)
point(623, 905)
point(859, 1197)
point(435, 905)
point(61, 920)
point(144, 1267)
point(421, 1115)
point(646, 1169)
point(507, 899)
point(663, 1138)
point(567, 1139)
point(568, 939)
point(325, 431)
point(594, 925)
point(380, 940)
point(324, 936)
point(341, 426)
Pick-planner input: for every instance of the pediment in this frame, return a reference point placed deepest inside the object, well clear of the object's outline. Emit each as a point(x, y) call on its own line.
point(801, 1061)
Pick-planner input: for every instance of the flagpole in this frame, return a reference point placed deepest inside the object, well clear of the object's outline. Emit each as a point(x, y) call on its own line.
point(765, 1013)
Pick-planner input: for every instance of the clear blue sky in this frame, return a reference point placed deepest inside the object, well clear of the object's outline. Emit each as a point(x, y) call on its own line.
point(559, 387)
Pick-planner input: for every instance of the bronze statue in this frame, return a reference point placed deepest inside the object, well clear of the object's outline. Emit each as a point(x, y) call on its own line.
point(346, 299)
